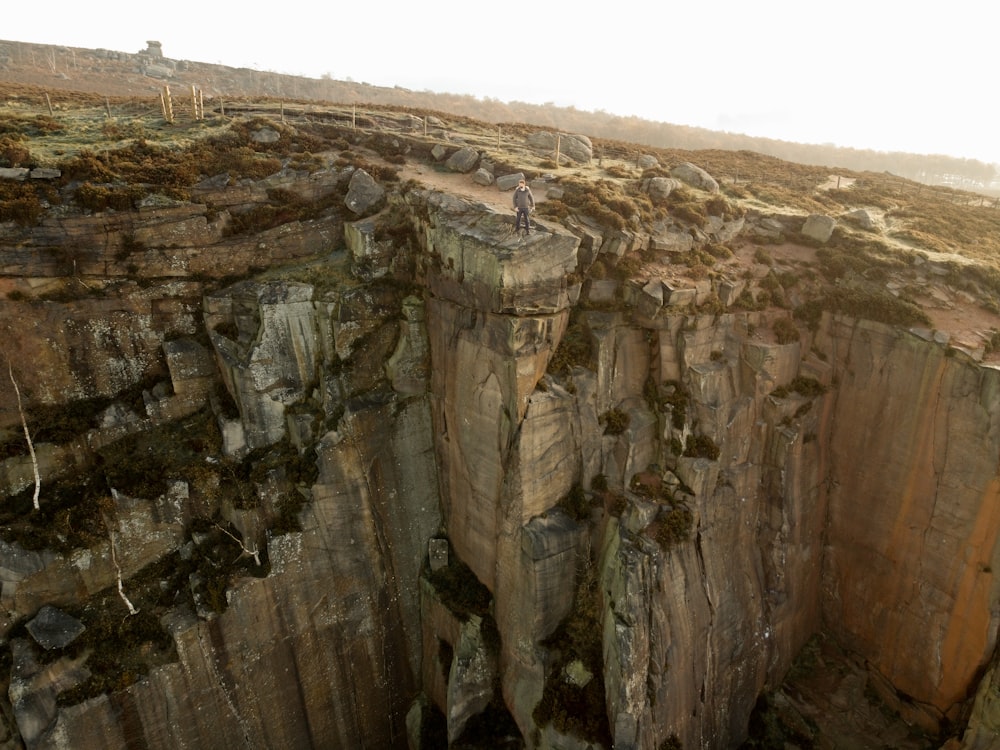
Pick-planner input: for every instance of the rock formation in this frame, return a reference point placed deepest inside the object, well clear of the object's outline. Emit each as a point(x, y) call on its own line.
point(466, 491)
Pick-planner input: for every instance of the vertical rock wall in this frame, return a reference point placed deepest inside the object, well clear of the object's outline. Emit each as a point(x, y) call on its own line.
point(868, 510)
point(914, 463)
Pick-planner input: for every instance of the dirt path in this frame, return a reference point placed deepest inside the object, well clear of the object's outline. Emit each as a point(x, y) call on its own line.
point(459, 184)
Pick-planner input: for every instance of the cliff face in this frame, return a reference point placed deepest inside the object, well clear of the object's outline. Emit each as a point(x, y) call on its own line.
point(913, 453)
point(481, 526)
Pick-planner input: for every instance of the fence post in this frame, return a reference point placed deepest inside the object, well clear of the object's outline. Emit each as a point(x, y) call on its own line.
point(354, 118)
point(499, 128)
point(48, 102)
point(558, 143)
point(168, 107)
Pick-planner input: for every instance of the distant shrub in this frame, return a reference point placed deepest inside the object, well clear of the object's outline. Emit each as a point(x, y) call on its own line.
point(804, 386)
point(103, 197)
point(87, 166)
point(676, 399)
point(615, 421)
point(719, 251)
point(701, 446)
point(673, 525)
point(23, 208)
point(13, 152)
point(692, 213)
point(618, 171)
point(717, 205)
point(867, 304)
point(574, 350)
point(576, 503)
point(785, 331)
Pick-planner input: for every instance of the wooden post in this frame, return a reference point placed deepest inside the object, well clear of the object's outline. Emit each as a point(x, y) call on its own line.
point(282, 110)
point(425, 125)
point(107, 106)
point(354, 118)
point(201, 103)
point(168, 106)
point(222, 107)
point(499, 128)
point(49, 103)
point(558, 143)
point(194, 102)
point(838, 182)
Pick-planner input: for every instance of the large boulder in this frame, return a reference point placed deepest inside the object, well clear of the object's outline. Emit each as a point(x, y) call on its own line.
point(696, 177)
point(575, 147)
point(464, 160)
point(364, 195)
point(819, 227)
point(660, 188)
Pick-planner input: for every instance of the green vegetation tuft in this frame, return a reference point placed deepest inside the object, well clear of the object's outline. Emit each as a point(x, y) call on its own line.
point(868, 304)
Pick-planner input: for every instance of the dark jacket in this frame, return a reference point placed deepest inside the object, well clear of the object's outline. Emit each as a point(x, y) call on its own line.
point(523, 197)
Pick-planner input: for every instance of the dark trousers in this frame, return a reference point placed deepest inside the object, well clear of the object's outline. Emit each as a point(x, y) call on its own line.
point(522, 212)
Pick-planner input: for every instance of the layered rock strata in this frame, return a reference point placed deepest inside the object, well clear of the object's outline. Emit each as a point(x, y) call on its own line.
point(675, 486)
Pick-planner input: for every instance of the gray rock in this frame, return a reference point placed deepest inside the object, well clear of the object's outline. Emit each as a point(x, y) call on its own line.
point(578, 148)
point(660, 188)
point(819, 227)
point(866, 219)
point(463, 160)
point(52, 628)
point(265, 135)
point(116, 415)
point(509, 181)
point(192, 367)
point(158, 71)
point(648, 161)
point(482, 177)
point(695, 177)
point(13, 173)
point(671, 240)
point(364, 195)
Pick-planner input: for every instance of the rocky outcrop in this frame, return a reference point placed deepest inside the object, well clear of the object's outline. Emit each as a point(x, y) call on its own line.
point(629, 505)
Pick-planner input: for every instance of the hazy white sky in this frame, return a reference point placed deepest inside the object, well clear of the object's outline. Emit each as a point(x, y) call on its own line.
point(879, 74)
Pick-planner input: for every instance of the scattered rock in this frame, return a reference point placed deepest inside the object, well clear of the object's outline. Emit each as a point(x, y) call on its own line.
point(578, 148)
point(660, 188)
point(52, 628)
point(819, 227)
point(265, 135)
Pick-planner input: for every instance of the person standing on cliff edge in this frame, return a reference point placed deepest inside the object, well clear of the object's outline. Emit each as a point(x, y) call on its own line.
point(524, 203)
